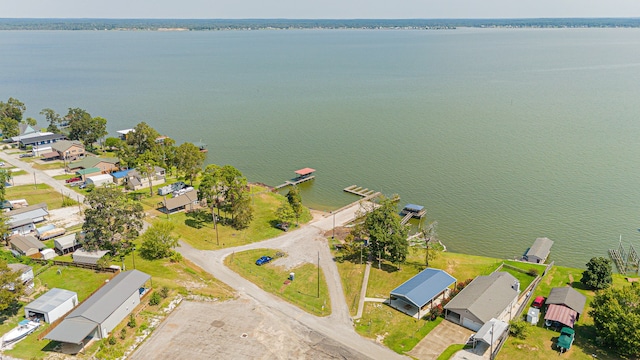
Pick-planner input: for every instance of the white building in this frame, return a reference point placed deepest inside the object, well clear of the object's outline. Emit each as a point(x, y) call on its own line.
point(52, 305)
point(101, 179)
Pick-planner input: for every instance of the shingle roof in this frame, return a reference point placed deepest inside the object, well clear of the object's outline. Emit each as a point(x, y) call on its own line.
point(182, 200)
point(486, 296)
point(567, 296)
point(64, 145)
point(540, 248)
point(91, 161)
point(423, 287)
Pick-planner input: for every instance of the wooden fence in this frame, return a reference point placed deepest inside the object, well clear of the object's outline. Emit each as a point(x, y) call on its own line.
point(84, 266)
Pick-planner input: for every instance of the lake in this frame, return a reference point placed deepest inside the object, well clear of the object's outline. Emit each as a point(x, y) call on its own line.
point(504, 135)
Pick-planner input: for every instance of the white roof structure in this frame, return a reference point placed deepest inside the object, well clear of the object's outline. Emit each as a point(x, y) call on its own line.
point(88, 257)
point(51, 300)
point(491, 331)
point(65, 242)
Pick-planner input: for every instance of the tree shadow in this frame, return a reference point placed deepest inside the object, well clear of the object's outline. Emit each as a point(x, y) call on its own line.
point(586, 339)
point(9, 312)
point(197, 219)
point(579, 286)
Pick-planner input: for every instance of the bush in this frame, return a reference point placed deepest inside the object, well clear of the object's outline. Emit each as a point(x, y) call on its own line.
point(436, 312)
point(519, 329)
point(112, 340)
point(533, 272)
point(175, 257)
point(164, 292)
point(123, 333)
point(155, 299)
point(132, 321)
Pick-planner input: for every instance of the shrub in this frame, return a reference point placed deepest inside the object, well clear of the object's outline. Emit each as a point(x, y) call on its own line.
point(123, 333)
point(175, 257)
point(164, 292)
point(436, 312)
point(132, 321)
point(533, 272)
point(112, 340)
point(155, 299)
point(519, 329)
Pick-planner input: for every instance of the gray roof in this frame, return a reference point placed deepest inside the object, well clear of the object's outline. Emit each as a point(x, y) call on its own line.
point(423, 287)
point(540, 248)
point(26, 214)
point(51, 300)
point(486, 296)
point(25, 243)
point(19, 268)
point(88, 257)
point(182, 200)
point(494, 326)
point(568, 297)
point(96, 309)
point(66, 242)
point(41, 138)
point(64, 145)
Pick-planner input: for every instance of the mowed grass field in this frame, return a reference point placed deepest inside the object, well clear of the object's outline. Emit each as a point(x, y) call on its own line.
point(41, 193)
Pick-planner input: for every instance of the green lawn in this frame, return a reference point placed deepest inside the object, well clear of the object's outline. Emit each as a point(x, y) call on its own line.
point(302, 292)
point(41, 193)
point(448, 352)
point(351, 276)
point(48, 165)
point(18, 172)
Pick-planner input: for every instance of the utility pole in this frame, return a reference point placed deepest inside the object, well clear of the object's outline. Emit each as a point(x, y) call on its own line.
point(333, 234)
point(318, 274)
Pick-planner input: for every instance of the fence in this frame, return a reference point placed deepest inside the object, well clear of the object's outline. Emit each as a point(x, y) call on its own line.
point(80, 265)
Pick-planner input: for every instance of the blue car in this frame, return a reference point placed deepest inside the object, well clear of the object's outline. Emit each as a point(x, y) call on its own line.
point(263, 260)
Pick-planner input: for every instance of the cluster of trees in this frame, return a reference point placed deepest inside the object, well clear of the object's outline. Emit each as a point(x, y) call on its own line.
point(11, 116)
point(291, 209)
point(225, 188)
point(616, 317)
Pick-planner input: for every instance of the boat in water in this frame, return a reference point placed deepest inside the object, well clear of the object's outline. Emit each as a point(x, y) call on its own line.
point(24, 328)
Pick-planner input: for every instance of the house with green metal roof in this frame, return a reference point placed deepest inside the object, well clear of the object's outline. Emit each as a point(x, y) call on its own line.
point(106, 165)
point(85, 173)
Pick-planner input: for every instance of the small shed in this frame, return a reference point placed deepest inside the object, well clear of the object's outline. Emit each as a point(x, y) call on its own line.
point(119, 177)
point(26, 245)
point(491, 331)
point(422, 289)
point(26, 275)
point(533, 316)
point(539, 251)
point(52, 305)
point(569, 297)
point(88, 172)
point(48, 254)
point(99, 180)
point(88, 257)
point(66, 244)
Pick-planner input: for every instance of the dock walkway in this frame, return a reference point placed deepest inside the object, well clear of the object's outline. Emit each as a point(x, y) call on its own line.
point(363, 192)
point(295, 181)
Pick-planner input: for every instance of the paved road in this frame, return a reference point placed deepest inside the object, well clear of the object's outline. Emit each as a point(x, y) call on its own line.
point(302, 242)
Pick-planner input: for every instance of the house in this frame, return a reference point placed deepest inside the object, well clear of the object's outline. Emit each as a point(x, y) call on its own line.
point(88, 257)
point(181, 202)
point(85, 173)
point(66, 244)
point(135, 181)
point(97, 316)
point(106, 165)
point(122, 134)
point(51, 305)
point(485, 298)
point(22, 221)
point(414, 294)
point(26, 275)
point(119, 177)
point(564, 306)
point(539, 251)
point(37, 142)
point(29, 135)
point(69, 150)
point(26, 245)
point(99, 180)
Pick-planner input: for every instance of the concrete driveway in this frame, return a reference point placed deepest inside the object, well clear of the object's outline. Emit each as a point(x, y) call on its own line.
point(440, 338)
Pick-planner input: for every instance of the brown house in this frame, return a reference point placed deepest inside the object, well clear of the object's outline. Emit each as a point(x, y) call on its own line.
point(106, 165)
point(69, 150)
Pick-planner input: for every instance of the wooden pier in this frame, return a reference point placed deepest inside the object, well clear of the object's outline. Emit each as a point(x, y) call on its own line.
point(363, 192)
point(412, 211)
point(304, 175)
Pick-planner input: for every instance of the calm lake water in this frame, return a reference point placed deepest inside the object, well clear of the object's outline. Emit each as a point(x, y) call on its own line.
point(504, 135)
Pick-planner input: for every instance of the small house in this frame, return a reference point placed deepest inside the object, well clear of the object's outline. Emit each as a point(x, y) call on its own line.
point(106, 165)
point(22, 221)
point(564, 306)
point(119, 177)
point(539, 251)
point(135, 181)
point(81, 256)
point(66, 244)
point(122, 134)
point(51, 305)
point(69, 150)
point(26, 275)
point(26, 245)
point(99, 180)
point(185, 201)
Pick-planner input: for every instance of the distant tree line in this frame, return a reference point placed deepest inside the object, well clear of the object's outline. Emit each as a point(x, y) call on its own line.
point(254, 24)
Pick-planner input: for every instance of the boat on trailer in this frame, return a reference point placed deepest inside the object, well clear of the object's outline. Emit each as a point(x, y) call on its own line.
point(24, 328)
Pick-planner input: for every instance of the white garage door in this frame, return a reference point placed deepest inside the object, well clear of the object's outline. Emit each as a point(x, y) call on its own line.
point(470, 324)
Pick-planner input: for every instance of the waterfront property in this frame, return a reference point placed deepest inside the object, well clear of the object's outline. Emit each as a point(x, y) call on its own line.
point(304, 175)
point(40, 140)
point(135, 181)
point(106, 165)
point(51, 305)
point(69, 150)
point(96, 317)
point(485, 298)
point(181, 202)
point(425, 288)
point(122, 134)
point(539, 251)
point(412, 211)
point(564, 305)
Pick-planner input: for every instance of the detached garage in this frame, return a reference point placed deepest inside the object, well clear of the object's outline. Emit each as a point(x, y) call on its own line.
point(52, 305)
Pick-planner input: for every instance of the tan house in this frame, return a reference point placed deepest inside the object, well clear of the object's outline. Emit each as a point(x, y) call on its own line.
point(106, 165)
point(69, 150)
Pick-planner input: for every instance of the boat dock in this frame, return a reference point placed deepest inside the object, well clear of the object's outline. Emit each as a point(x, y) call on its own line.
point(304, 175)
point(363, 192)
point(412, 211)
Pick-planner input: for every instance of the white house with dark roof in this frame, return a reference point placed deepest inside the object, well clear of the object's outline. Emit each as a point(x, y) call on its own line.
point(97, 316)
point(485, 298)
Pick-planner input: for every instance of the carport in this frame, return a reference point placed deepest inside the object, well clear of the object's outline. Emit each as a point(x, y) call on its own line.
point(420, 290)
point(561, 314)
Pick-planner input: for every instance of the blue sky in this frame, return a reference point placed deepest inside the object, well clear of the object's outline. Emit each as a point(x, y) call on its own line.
point(317, 9)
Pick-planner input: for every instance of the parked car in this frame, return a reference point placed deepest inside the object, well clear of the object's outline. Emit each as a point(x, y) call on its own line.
point(263, 260)
point(73, 179)
point(538, 302)
point(82, 186)
point(283, 226)
point(26, 155)
point(1, 163)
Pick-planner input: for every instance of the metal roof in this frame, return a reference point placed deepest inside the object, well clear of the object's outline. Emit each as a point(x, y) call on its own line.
point(424, 286)
point(50, 155)
point(51, 300)
point(305, 171)
point(494, 326)
point(96, 309)
point(120, 174)
point(486, 296)
point(182, 200)
point(91, 170)
point(540, 248)
point(37, 139)
point(66, 242)
point(414, 207)
point(561, 314)
point(26, 243)
point(567, 296)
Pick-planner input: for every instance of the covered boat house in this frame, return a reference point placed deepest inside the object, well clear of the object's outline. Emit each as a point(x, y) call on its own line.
point(539, 251)
point(425, 288)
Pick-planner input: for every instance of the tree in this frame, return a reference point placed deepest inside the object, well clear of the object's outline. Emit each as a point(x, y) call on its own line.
point(429, 234)
point(189, 160)
point(243, 212)
point(616, 317)
point(10, 117)
point(147, 168)
point(30, 121)
point(285, 214)
point(5, 177)
point(598, 273)
point(113, 143)
point(10, 286)
point(112, 221)
point(158, 241)
point(295, 200)
point(85, 128)
point(387, 236)
point(211, 189)
point(53, 118)
point(143, 139)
